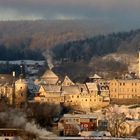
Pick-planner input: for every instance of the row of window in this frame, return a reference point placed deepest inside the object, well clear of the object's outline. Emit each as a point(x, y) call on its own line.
point(133, 84)
point(124, 96)
point(72, 120)
point(123, 84)
point(123, 90)
point(79, 96)
point(95, 100)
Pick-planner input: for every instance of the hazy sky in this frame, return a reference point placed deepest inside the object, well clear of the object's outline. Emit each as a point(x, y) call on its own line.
point(107, 10)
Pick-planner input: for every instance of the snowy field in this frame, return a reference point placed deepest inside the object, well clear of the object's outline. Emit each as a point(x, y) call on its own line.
point(27, 62)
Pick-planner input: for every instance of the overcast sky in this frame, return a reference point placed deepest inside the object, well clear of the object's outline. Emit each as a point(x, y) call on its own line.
point(108, 10)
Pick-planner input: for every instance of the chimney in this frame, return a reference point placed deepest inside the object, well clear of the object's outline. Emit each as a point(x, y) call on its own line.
point(139, 64)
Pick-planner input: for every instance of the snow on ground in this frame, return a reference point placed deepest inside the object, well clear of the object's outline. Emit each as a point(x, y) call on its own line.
point(27, 62)
point(130, 111)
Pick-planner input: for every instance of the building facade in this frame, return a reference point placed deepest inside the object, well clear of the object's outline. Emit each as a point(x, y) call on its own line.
point(124, 89)
point(88, 96)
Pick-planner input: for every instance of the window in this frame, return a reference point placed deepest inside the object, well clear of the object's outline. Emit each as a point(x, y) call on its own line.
point(77, 120)
point(120, 84)
point(91, 120)
point(123, 84)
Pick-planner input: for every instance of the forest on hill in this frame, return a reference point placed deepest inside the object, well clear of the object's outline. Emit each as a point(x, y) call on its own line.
point(72, 44)
point(28, 39)
point(122, 42)
point(69, 40)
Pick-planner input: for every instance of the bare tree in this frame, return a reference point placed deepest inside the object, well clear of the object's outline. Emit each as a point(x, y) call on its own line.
point(115, 120)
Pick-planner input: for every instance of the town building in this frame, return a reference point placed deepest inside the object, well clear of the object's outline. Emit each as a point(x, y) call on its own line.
point(124, 89)
point(48, 94)
point(49, 77)
point(13, 91)
point(88, 96)
point(73, 124)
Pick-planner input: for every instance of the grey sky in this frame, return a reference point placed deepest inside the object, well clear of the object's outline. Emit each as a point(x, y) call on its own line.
point(106, 10)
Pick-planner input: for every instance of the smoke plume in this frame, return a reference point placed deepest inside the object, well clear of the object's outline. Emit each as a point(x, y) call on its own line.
point(17, 119)
point(49, 58)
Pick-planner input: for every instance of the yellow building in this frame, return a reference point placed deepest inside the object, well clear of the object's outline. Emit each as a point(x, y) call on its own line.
point(86, 96)
point(16, 94)
point(49, 94)
point(67, 81)
point(6, 91)
point(124, 89)
point(79, 96)
point(49, 77)
point(21, 89)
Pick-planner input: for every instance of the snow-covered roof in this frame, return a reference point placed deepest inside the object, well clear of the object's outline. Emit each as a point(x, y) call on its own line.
point(83, 88)
point(67, 81)
point(49, 74)
point(52, 88)
point(92, 86)
point(80, 116)
point(50, 77)
point(96, 133)
point(95, 76)
point(70, 90)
